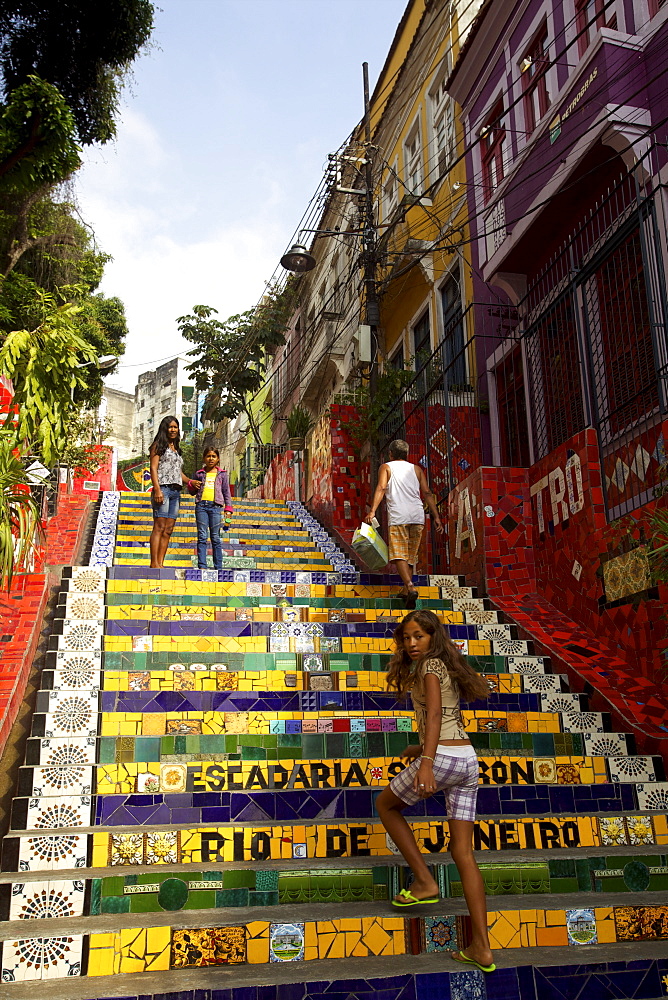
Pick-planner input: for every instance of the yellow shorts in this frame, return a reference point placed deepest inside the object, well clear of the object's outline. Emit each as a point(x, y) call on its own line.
point(405, 542)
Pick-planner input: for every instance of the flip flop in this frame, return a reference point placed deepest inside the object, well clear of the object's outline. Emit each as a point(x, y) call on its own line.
point(410, 600)
point(408, 899)
point(465, 960)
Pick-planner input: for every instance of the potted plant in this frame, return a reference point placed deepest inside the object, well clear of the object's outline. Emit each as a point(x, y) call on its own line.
point(298, 424)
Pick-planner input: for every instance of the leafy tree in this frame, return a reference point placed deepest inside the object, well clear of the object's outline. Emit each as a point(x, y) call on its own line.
point(20, 524)
point(82, 48)
point(231, 356)
point(377, 408)
point(54, 272)
point(45, 367)
point(84, 433)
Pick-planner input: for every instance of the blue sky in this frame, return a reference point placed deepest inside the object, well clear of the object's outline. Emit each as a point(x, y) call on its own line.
point(223, 137)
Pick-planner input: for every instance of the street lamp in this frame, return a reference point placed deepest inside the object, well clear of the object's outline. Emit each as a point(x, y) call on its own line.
point(298, 259)
point(103, 364)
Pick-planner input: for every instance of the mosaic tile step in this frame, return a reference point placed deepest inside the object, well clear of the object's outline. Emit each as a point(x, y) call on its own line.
point(351, 664)
point(253, 843)
point(215, 775)
point(553, 837)
point(640, 979)
point(154, 892)
point(296, 800)
point(75, 672)
point(351, 702)
point(316, 746)
point(76, 718)
point(260, 942)
point(249, 609)
point(303, 596)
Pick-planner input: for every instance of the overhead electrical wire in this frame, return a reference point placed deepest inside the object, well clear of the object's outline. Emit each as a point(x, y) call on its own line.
point(321, 197)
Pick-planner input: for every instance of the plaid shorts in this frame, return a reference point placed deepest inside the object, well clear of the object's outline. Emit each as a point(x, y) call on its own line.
point(456, 776)
point(405, 542)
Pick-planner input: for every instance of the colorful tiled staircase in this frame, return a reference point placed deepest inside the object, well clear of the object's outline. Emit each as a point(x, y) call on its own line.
point(199, 783)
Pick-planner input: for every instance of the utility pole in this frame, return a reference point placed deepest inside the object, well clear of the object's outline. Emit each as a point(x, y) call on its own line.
point(369, 262)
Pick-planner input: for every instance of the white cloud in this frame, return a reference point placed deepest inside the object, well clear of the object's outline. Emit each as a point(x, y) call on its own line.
point(159, 272)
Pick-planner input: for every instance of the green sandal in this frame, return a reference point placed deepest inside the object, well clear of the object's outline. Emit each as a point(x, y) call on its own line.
point(408, 899)
point(465, 960)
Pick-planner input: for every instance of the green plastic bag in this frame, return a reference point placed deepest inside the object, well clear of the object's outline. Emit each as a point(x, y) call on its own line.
point(368, 544)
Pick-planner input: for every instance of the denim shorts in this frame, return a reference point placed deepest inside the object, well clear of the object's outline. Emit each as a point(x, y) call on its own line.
point(170, 505)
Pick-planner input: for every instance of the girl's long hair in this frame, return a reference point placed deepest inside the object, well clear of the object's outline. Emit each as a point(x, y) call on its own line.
point(403, 672)
point(161, 440)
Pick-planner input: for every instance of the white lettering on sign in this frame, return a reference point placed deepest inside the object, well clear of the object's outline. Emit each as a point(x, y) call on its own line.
point(563, 483)
point(465, 526)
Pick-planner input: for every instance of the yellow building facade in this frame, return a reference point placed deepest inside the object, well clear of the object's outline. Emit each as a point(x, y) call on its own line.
point(423, 269)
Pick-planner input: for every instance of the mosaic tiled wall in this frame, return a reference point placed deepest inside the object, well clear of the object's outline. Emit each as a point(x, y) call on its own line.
point(137, 477)
point(545, 530)
point(338, 494)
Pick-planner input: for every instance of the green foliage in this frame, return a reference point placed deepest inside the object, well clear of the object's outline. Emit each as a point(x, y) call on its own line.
point(56, 263)
point(37, 138)
point(20, 524)
point(83, 48)
point(44, 365)
point(299, 422)
point(192, 451)
point(230, 357)
point(657, 547)
point(84, 432)
point(374, 408)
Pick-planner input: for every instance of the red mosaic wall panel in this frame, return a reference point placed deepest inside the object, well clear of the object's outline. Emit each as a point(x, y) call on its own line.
point(544, 531)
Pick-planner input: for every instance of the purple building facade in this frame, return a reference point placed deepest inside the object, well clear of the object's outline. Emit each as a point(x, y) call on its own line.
point(564, 107)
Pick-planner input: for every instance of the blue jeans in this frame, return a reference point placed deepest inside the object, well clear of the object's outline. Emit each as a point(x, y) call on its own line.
point(208, 515)
point(170, 505)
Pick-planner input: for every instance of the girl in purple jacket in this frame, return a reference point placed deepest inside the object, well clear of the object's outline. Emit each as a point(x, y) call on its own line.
point(212, 497)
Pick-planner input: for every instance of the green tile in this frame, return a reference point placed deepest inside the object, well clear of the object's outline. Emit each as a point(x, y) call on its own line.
point(167, 745)
point(116, 904)
point(268, 898)
point(253, 753)
point(144, 902)
point(313, 746)
point(270, 740)
point(562, 867)
point(147, 748)
point(380, 874)
point(113, 886)
point(397, 742)
point(96, 897)
point(544, 744)
point(582, 873)
point(558, 885)
point(239, 879)
point(202, 899)
point(231, 897)
point(107, 750)
point(511, 741)
point(289, 740)
point(266, 881)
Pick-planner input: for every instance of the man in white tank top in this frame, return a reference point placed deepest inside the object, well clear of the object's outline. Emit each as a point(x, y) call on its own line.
point(405, 489)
